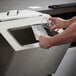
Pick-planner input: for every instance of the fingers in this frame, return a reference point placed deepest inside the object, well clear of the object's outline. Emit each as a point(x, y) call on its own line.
point(53, 23)
point(53, 27)
point(41, 41)
point(44, 41)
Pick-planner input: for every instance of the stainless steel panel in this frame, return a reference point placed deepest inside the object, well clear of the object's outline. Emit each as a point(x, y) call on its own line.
point(6, 55)
point(37, 61)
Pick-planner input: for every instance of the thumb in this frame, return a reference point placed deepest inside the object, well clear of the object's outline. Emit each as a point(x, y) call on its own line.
point(52, 18)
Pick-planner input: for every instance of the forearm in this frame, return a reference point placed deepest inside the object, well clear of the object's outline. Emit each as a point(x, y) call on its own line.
point(69, 35)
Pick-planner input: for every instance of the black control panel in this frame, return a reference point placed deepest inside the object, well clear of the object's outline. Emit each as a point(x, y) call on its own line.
point(62, 5)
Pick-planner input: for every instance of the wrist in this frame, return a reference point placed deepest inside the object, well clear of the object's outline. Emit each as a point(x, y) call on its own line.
point(67, 22)
point(52, 41)
point(71, 20)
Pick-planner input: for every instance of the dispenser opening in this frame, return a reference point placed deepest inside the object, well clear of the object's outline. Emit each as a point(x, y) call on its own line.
point(24, 35)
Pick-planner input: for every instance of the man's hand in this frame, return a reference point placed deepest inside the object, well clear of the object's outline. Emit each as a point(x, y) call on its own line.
point(44, 41)
point(57, 23)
